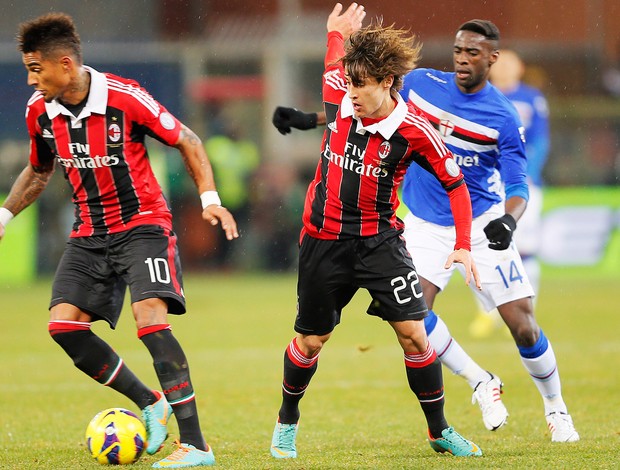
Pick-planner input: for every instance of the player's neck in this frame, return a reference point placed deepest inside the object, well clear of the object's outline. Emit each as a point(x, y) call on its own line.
point(474, 89)
point(78, 89)
point(386, 109)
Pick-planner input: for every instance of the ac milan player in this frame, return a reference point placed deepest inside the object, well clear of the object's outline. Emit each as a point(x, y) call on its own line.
point(483, 131)
point(93, 125)
point(351, 237)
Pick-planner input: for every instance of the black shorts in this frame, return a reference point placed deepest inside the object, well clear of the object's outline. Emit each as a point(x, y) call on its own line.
point(94, 272)
point(331, 272)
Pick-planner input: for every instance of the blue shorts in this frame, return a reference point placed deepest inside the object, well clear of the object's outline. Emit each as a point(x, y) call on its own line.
point(94, 272)
point(331, 272)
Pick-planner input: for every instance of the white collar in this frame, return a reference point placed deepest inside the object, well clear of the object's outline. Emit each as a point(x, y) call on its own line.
point(386, 127)
point(97, 99)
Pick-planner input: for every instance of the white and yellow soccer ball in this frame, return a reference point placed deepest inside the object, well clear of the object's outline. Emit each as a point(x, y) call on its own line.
point(116, 436)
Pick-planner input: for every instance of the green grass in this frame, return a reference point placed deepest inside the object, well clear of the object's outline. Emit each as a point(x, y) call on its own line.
point(358, 412)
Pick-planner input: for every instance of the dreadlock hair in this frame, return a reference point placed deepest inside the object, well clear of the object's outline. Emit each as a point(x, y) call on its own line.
point(50, 34)
point(380, 51)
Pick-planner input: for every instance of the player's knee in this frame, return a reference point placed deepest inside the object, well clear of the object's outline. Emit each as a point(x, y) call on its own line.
point(149, 312)
point(416, 343)
point(311, 345)
point(519, 317)
point(526, 334)
point(412, 336)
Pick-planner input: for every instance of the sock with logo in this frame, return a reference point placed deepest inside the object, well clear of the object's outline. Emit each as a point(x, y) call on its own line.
point(97, 359)
point(298, 371)
point(173, 373)
point(540, 362)
point(426, 381)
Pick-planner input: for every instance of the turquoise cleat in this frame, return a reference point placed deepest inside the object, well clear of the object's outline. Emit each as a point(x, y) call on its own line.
point(283, 441)
point(155, 419)
point(455, 444)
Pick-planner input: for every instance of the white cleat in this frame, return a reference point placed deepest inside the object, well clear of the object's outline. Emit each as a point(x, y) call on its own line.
point(561, 427)
point(488, 396)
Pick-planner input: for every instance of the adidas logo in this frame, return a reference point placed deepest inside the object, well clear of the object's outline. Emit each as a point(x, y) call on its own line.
point(332, 126)
point(47, 134)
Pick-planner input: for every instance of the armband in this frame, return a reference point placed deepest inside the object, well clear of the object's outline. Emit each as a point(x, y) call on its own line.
point(5, 216)
point(210, 197)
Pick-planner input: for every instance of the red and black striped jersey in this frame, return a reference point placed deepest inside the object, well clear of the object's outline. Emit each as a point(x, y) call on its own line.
point(363, 162)
point(103, 154)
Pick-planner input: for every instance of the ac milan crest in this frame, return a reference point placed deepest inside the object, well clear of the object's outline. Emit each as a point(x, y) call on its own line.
point(114, 132)
point(384, 149)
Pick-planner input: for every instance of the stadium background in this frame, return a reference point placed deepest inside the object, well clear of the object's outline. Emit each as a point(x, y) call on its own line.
point(222, 66)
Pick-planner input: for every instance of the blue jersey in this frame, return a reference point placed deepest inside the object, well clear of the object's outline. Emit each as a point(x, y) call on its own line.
point(482, 130)
point(534, 112)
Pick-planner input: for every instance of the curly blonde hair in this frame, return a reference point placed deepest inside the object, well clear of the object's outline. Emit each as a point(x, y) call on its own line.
point(380, 51)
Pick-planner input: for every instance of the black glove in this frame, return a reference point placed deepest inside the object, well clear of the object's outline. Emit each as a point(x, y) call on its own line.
point(285, 118)
point(499, 232)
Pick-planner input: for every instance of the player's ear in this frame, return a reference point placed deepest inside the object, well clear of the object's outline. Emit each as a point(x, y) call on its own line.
point(493, 56)
point(66, 63)
point(388, 81)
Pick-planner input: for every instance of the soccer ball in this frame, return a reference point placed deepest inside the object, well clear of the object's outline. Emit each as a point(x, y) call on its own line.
point(116, 436)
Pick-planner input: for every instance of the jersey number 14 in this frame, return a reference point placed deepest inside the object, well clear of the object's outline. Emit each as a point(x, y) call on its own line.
point(513, 274)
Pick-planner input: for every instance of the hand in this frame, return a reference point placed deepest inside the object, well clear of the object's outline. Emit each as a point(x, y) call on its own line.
point(499, 232)
point(215, 214)
point(464, 257)
point(348, 22)
point(285, 118)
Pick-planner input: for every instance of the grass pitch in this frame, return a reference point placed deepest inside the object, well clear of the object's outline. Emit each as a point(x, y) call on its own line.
point(358, 411)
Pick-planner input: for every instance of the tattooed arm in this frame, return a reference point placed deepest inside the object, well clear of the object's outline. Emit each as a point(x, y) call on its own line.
point(199, 168)
point(196, 160)
point(27, 187)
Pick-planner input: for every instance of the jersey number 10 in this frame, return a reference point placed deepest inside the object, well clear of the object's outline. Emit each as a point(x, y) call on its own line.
point(158, 270)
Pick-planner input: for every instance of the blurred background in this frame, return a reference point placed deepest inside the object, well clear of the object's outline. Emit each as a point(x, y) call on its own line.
point(221, 66)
